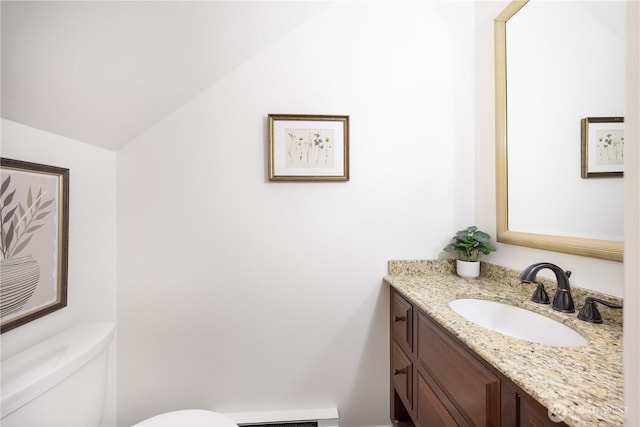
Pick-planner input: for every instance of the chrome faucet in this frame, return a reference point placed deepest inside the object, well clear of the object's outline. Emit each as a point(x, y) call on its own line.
point(562, 300)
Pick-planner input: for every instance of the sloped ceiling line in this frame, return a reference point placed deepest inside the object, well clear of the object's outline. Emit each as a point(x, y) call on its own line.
point(103, 72)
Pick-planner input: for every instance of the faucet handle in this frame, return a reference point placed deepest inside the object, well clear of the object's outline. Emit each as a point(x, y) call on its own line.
point(568, 273)
point(540, 294)
point(589, 311)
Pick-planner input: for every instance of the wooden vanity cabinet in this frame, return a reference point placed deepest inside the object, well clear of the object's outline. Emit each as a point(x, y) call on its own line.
point(533, 414)
point(430, 409)
point(402, 320)
point(403, 376)
point(402, 372)
point(436, 380)
point(469, 391)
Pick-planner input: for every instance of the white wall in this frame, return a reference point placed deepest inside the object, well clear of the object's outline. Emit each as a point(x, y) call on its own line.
point(236, 294)
point(92, 236)
point(600, 275)
point(632, 222)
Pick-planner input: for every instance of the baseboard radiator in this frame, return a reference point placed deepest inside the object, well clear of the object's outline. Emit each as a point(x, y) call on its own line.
point(326, 417)
point(294, 424)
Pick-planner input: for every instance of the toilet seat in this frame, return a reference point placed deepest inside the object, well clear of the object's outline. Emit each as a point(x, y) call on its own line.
point(189, 417)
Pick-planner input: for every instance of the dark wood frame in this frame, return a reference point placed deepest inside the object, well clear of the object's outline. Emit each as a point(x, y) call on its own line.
point(62, 244)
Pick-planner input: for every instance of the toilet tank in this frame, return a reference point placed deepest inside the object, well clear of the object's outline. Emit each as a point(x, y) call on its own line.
point(58, 382)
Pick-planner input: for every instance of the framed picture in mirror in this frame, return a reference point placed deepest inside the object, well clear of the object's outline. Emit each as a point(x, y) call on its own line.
point(602, 147)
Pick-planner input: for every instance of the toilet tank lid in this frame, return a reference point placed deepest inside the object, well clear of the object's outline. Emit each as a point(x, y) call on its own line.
point(189, 417)
point(33, 371)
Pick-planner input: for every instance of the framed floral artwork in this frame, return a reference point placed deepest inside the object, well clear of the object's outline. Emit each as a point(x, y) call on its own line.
point(34, 234)
point(308, 147)
point(602, 153)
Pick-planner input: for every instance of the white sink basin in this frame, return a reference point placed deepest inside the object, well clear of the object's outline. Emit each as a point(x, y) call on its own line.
point(517, 322)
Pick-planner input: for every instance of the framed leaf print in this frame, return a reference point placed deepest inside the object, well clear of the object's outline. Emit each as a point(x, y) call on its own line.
point(34, 225)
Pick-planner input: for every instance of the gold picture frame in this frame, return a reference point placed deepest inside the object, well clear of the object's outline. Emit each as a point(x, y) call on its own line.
point(602, 152)
point(34, 216)
point(304, 147)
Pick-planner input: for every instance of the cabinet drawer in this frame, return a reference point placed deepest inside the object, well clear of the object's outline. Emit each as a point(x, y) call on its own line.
point(472, 388)
point(402, 319)
point(431, 411)
point(402, 375)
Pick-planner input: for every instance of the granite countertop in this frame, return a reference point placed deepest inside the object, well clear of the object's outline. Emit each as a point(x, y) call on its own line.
point(585, 382)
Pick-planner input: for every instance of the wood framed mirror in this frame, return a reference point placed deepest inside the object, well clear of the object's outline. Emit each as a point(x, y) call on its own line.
point(571, 244)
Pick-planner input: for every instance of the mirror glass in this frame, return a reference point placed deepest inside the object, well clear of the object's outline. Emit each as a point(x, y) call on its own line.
point(557, 63)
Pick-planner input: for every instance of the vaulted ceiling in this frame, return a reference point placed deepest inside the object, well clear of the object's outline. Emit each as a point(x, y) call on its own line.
point(103, 72)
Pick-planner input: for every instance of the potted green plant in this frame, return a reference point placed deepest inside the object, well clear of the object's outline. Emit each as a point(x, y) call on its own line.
point(469, 244)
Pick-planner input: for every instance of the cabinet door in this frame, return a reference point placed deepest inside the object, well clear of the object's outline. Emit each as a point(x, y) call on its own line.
point(403, 376)
point(471, 387)
point(402, 319)
point(533, 414)
point(431, 411)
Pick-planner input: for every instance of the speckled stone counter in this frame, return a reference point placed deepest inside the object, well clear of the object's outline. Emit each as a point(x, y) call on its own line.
point(586, 381)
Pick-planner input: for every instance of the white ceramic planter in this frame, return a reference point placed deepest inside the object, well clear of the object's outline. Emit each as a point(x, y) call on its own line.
point(469, 269)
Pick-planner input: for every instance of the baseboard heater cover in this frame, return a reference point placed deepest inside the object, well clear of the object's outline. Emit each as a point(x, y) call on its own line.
point(294, 424)
point(325, 417)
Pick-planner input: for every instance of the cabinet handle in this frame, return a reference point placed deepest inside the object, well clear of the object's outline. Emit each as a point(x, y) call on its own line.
point(399, 318)
point(399, 371)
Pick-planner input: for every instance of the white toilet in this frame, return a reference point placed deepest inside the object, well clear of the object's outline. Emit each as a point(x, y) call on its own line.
point(189, 417)
point(62, 382)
